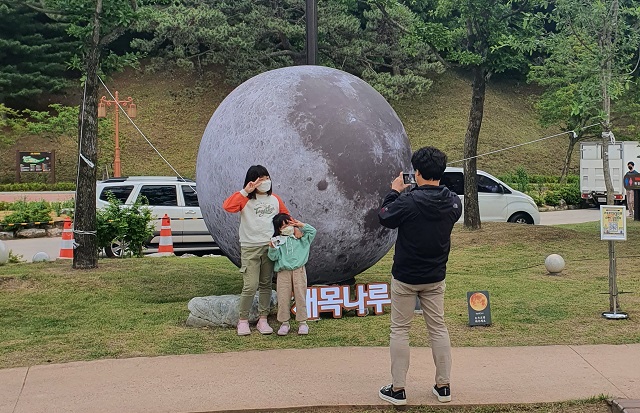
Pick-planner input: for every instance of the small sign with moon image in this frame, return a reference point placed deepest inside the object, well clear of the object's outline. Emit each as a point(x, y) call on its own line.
point(479, 309)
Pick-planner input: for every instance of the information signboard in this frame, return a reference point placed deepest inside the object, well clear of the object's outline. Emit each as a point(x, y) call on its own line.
point(479, 308)
point(613, 222)
point(35, 162)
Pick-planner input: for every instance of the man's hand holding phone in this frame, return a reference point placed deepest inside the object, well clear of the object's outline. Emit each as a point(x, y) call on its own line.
point(408, 178)
point(399, 184)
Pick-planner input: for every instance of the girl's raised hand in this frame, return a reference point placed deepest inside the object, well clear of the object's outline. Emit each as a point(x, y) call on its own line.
point(251, 186)
point(296, 223)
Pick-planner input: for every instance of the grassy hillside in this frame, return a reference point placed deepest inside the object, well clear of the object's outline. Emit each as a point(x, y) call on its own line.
point(440, 119)
point(174, 109)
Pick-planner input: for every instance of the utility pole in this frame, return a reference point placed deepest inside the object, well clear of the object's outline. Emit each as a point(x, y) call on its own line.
point(102, 113)
point(312, 32)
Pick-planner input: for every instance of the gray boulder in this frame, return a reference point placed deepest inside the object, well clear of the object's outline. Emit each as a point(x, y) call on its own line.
point(31, 233)
point(222, 310)
point(5, 235)
point(54, 232)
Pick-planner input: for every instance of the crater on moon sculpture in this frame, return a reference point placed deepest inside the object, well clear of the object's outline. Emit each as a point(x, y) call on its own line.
point(332, 145)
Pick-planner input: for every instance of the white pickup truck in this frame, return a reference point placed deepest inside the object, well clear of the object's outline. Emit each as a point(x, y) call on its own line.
point(592, 186)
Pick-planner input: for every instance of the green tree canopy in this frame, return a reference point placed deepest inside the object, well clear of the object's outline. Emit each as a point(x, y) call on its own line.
point(34, 52)
point(485, 36)
point(248, 37)
point(594, 48)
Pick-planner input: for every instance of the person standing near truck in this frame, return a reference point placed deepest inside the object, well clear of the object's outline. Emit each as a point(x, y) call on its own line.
point(630, 192)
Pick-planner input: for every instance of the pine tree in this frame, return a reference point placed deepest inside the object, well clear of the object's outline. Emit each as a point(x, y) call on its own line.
point(34, 52)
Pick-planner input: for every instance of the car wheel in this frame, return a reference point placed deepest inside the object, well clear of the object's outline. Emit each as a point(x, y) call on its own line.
point(521, 218)
point(115, 249)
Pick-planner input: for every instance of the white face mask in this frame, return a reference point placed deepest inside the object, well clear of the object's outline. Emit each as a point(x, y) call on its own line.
point(265, 186)
point(287, 231)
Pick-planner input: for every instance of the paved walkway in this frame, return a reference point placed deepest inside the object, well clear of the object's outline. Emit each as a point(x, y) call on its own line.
point(50, 196)
point(349, 376)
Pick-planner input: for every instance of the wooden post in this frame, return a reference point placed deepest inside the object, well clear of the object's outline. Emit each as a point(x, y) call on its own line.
point(52, 173)
point(18, 166)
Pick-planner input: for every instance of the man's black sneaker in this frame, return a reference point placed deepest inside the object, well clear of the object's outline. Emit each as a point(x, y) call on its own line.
point(399, 398)
point(443, 393)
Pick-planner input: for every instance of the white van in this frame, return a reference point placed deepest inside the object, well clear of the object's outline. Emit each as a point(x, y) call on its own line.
point(498, 202)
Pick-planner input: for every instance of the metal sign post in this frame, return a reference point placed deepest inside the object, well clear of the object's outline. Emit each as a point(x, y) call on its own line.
point(613, 227)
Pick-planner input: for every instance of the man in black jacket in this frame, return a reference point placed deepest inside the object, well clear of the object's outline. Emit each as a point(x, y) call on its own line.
point(424, 218)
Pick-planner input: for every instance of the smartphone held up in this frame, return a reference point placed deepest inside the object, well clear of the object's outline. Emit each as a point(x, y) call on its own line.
point(409, 178)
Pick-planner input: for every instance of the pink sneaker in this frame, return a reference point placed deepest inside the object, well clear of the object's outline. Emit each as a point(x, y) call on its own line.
point(264, 327)
point(243, 328)
point(284, 329)
point(303, 329)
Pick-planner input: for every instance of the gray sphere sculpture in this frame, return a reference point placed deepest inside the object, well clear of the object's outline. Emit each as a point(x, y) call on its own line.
point(554, 264)
point(40, 257)
point(4, 253)
point(331, 143)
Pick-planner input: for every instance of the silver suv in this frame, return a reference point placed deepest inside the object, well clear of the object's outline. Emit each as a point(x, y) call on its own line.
point(173, 196)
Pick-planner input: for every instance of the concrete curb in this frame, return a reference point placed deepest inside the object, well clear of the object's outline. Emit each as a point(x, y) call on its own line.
point(625, 406)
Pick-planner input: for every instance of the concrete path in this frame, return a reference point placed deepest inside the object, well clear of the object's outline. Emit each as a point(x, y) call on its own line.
point(572, 216)
point(349, 376)
point(29, 247)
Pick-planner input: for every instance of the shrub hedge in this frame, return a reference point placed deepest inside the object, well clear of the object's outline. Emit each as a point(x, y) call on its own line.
point(38, 186)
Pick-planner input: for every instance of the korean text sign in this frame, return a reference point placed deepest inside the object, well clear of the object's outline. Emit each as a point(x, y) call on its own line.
point(613, 223)
point(336, 299)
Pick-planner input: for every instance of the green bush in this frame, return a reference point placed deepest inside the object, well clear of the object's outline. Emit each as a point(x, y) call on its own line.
point(571, 194)
point(551, 198)
point(573, 179)
point(38, 186)
point(513, 178)
point(539, 200)
point(64, 207)
point(29, 212)
point(522, 180)
point(132, 226)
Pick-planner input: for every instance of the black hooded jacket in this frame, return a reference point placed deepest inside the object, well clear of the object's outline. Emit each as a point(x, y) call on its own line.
point(424, 218)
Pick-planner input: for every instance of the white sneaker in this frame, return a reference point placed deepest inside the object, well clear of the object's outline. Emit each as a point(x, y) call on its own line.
point(442, 393)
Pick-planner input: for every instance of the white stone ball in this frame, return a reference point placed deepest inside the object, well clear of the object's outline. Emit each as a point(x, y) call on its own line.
point(40, 257)
point(554, 263)
point(4, 253)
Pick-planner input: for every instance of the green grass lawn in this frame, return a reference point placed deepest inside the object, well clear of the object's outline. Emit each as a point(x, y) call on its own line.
point(595, 405)
point(138, 307)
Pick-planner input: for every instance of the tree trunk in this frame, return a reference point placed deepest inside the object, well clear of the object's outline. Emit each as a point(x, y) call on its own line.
point(471, 208)
point(607, 49)
point(606, 141)
point(86, 254)
point(567, 159)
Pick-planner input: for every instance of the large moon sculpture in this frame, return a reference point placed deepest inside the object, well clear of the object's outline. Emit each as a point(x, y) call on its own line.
point(332, 145)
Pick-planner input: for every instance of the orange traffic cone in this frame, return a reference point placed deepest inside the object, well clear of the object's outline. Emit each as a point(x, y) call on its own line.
point(66, 249)
point(166, 240)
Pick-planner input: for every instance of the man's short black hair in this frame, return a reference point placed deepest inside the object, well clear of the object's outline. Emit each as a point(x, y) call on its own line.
point(631, 163)
point(430, 161)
